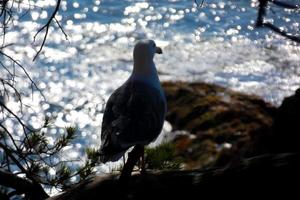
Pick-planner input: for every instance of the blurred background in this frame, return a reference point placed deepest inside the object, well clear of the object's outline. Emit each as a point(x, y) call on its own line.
point(214, 43)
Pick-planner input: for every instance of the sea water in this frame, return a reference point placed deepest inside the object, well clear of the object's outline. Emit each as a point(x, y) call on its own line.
point(216, 43)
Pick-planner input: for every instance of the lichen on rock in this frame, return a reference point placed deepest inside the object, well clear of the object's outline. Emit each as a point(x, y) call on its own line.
point(227, 125)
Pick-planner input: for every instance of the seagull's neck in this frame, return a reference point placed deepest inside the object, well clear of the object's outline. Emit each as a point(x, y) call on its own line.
point(146, 73)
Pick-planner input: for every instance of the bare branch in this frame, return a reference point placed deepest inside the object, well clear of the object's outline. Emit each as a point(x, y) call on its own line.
point(199, 5)
point(10, 136)
point(15, 160)
point(46, 28)
point(61, 28)
point(281, 32)
point(16, 92)
point(285, 4)
point(262, 13)
point(24, 70)
point(25, 127)
point(6, 69)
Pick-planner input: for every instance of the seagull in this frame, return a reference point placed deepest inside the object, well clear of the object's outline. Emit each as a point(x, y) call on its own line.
point(135, 112)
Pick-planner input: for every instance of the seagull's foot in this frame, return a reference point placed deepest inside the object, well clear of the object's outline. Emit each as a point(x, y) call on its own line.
point(144, 172)
point(133, 158)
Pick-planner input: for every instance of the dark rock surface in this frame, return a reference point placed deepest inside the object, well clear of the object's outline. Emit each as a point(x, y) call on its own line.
point(263, 176)
point(286, 128)
point(226, 125)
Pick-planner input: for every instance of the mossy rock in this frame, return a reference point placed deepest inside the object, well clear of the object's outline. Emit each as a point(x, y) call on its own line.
point(162, 157)
point(217, 116)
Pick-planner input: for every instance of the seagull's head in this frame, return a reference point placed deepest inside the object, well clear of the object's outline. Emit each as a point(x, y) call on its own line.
point(143, 54)
point(144, 51)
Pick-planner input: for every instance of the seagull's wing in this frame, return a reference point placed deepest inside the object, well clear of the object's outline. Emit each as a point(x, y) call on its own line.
point(134, 114)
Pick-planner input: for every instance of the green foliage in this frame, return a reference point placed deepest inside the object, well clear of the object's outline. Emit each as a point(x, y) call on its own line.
point(36, 141)
point(63, 175)
point(87, 169)
point(35, 167)
point(162, 157)
point(36, 158)
point(92, 154)
point(66, 138)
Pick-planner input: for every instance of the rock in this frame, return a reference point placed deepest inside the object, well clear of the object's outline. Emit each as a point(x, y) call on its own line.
point(227, 125)
point(286, 126)
point(262, 176)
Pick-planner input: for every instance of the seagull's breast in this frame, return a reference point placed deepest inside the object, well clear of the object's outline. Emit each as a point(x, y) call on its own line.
point(150, 80)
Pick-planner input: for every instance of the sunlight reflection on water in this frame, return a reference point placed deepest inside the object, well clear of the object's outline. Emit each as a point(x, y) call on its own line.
point(216, 44)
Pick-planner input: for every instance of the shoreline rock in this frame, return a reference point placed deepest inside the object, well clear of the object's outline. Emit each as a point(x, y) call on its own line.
point(265, 175)
point(286, 127)
point(226, 125)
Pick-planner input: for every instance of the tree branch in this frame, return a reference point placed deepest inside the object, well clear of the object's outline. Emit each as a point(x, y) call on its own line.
point(15, 160)
point(285, 5)
point(281, 32)
point(11, 180)
point(262, 13)
point(25, 127)
point(22, 186)
point(10, 136)
point(199, 5)
point(24, 70)
point(46, 28)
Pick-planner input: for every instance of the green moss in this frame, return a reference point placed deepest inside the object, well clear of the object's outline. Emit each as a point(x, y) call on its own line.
point(162, 157)
point(214, 115)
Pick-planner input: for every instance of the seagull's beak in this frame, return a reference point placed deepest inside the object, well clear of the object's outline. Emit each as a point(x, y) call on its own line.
point(158, 50)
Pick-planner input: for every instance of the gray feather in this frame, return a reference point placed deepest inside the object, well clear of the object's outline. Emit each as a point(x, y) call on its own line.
point(134, 115)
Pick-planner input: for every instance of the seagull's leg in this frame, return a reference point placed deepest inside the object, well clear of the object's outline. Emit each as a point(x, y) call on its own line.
point(141, 163)
point(124, 159)
point(133, 157)
point(143, 168)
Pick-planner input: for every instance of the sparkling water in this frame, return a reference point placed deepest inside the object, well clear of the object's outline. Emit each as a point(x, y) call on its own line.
point(215, 43)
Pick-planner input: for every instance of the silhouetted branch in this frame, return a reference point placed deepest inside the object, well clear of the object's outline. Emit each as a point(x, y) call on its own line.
point(10, 136)
point(46, 28)
point(13, 158)
point(6, 16)
point(7, 12)
point(61, 28)
point(281, 32)
point(25, 127)
point(22, 186)
point(24, 70)
point(13, 181)
point(285, 4)
point(262, 13)
point(197, 3)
